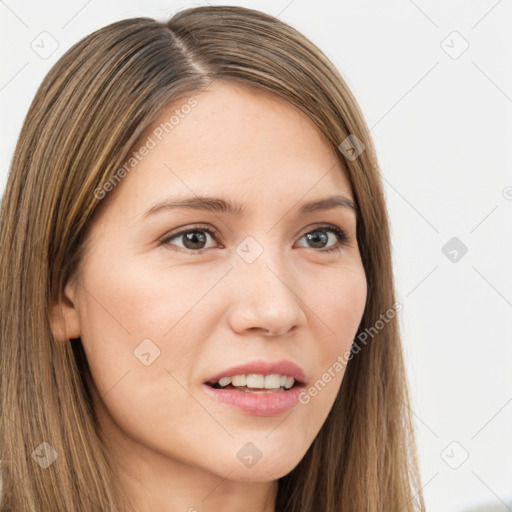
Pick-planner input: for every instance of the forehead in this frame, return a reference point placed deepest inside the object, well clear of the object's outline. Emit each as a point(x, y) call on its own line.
point(233, 141)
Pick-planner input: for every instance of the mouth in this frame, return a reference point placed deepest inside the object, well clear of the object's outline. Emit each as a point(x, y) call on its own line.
point(258, 388)
point(256, 383)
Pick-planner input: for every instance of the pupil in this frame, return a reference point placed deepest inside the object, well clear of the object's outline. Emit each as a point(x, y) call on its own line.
point(192, 237)
point(318, 234)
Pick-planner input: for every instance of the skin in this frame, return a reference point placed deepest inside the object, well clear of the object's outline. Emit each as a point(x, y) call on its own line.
point(173, 447)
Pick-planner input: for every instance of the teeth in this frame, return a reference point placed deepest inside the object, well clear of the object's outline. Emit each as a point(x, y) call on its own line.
point(258, 381)
point(255, 381)
point(289, 382)
point(272, 381)
point(239, 380)
point(225, 381)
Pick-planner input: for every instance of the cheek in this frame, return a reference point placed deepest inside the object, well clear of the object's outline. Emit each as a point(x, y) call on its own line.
point(135, 328)
point(340, 305)
point(138, 300)
point(134, 369)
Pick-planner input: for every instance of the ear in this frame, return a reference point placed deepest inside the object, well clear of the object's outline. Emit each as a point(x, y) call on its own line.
point(64, 317)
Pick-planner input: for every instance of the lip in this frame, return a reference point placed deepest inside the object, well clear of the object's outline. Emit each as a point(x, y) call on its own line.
point(282, 367)
point(256, 403)
point(259, 403)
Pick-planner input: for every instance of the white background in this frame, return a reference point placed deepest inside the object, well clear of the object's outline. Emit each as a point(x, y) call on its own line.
point(443, 131)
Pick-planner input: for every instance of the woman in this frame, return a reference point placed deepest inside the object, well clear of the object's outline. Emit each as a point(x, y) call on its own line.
point(199, 309)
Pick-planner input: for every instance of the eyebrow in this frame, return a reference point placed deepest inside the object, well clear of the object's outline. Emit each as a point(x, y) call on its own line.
point(218, 205)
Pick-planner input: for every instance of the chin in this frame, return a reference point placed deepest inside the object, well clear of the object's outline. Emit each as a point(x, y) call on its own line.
point(261, 473)
point(265, 469)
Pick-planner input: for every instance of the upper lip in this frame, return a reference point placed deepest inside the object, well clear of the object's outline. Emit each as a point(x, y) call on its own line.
point(282, 367)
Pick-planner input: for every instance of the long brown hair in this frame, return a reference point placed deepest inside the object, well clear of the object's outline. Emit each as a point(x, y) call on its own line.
point(88, 113)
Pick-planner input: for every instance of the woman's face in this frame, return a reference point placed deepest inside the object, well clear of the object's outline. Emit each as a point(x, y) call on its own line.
point(161, 312)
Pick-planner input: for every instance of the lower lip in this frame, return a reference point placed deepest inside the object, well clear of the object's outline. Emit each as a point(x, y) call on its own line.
point(257, 403)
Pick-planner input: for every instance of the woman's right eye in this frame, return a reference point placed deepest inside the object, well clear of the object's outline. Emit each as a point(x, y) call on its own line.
point(193, 239)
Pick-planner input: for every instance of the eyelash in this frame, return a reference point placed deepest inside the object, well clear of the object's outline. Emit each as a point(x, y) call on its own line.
point(342, 237)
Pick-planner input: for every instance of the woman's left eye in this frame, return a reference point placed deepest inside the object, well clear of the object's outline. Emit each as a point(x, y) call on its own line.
point(317, 236)
point(194, 238)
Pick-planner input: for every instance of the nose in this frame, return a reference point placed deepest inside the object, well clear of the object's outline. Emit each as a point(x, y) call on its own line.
point(263, 298)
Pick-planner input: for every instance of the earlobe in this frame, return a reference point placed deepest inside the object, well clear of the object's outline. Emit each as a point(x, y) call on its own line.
point(65, 320)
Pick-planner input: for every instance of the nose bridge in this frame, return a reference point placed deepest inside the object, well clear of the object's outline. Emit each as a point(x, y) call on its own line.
point(263, 296)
